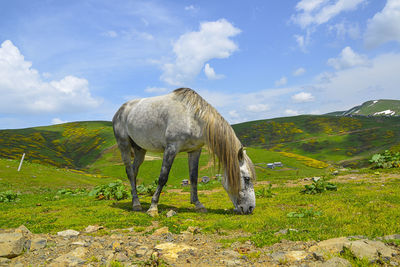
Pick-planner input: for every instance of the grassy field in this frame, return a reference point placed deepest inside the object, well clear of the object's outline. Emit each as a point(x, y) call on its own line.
point(369, 206)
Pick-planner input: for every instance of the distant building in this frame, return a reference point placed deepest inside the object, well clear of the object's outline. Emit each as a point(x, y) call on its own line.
point(270, 165)
point(278, 164)
point(185, 182)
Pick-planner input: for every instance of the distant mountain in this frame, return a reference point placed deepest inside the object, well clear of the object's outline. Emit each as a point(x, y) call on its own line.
point(381, 107)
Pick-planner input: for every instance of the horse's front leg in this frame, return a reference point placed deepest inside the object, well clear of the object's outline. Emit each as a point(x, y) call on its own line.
point(169, 156)
point(193, 158)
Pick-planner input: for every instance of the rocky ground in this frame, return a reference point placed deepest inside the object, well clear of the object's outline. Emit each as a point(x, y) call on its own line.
point(126, 247)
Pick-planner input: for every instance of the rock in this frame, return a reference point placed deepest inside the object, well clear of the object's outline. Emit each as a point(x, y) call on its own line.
point(193, 230)
point(336, 262)
point(170, 251)
point(392, 237)
point(161, 231)
point(11, 244)
point(334, 245)
point(23, 230)
point(278, 256)
point(369, 249)
point(79, 252)
point(285, 231)
point(37, 243)
point(116, 246)
point(318, 256)
point(5, 262)
point(121, 257)
point(231, 254)
point(67, 260)
point(79, 243)
point(141, 251)
point(93, 228)
point(296, 255)
point(171, 213)
point(68, 233)
point(231, 262)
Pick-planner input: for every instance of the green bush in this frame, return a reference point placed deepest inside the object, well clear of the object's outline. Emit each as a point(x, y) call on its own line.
point(265, 192)
point(318, 186)
point(115, 190)
point(67, 191)
point(149, 190)
point(304, 213)
point(386, 160)
point(8, 196)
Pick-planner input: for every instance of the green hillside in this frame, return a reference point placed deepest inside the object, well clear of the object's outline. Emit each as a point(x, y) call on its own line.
point(91, 145)
point(343, 140)
point(72, 145)
point(381, 107)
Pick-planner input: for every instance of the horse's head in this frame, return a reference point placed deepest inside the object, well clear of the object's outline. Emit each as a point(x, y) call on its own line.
point(244, 200)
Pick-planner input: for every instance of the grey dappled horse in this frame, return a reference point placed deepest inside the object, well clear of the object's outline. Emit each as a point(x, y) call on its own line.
point(182, 121)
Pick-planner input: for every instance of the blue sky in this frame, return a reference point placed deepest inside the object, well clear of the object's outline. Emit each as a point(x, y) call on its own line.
point(80, 60)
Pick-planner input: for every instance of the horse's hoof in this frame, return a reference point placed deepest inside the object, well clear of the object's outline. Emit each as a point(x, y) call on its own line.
point(137, 207)
point(152, 212)
point(201, 208)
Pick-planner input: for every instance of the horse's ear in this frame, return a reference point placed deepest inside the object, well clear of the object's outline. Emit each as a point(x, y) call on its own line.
point(241, 154)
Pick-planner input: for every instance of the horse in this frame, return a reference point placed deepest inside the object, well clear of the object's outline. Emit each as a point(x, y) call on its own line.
point(182, 121)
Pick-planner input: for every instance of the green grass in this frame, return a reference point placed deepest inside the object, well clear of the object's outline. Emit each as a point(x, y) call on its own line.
point(358, 208)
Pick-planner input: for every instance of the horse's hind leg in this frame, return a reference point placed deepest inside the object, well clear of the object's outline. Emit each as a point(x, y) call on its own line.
point(193, 158)
point(168, 158)
point(125, 145)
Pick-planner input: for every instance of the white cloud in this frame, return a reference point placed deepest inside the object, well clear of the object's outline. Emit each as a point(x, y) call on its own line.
point(291, 112)
point(282, 81)
point(303, 97)
point(190, 8)
point(57, 121)
point(348, 87)
point(344, 29)
point(258, 107)
point(233, 114)
point(316, 12)
point(111, 34)
point(384, 26)
point(157, 90)
point(299, 72)
point(210, 73)
point(194, 49)
point(348, 59)
point(23, 91)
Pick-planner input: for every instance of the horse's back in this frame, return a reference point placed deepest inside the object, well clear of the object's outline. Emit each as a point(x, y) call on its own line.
point(154, 122)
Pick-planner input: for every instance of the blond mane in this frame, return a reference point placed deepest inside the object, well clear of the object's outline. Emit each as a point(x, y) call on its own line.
point(220, 137)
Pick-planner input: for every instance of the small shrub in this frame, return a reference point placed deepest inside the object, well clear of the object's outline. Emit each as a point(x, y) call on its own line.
point(318, 186)
point(386, 160)
point(67, 191)
point(8, 196)
point(265, 192)
point(115, 190)
point(304, 213)
point(149, 190)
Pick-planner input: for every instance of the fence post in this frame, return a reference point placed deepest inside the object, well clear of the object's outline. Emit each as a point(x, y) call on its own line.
point(22, 160)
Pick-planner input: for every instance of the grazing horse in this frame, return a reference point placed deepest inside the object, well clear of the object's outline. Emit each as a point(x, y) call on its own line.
point(182, 121)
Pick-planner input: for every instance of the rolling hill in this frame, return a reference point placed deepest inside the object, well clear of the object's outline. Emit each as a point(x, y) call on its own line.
point(334, 139)
point(72, 145)
point(381, 107)
point(346, 141)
